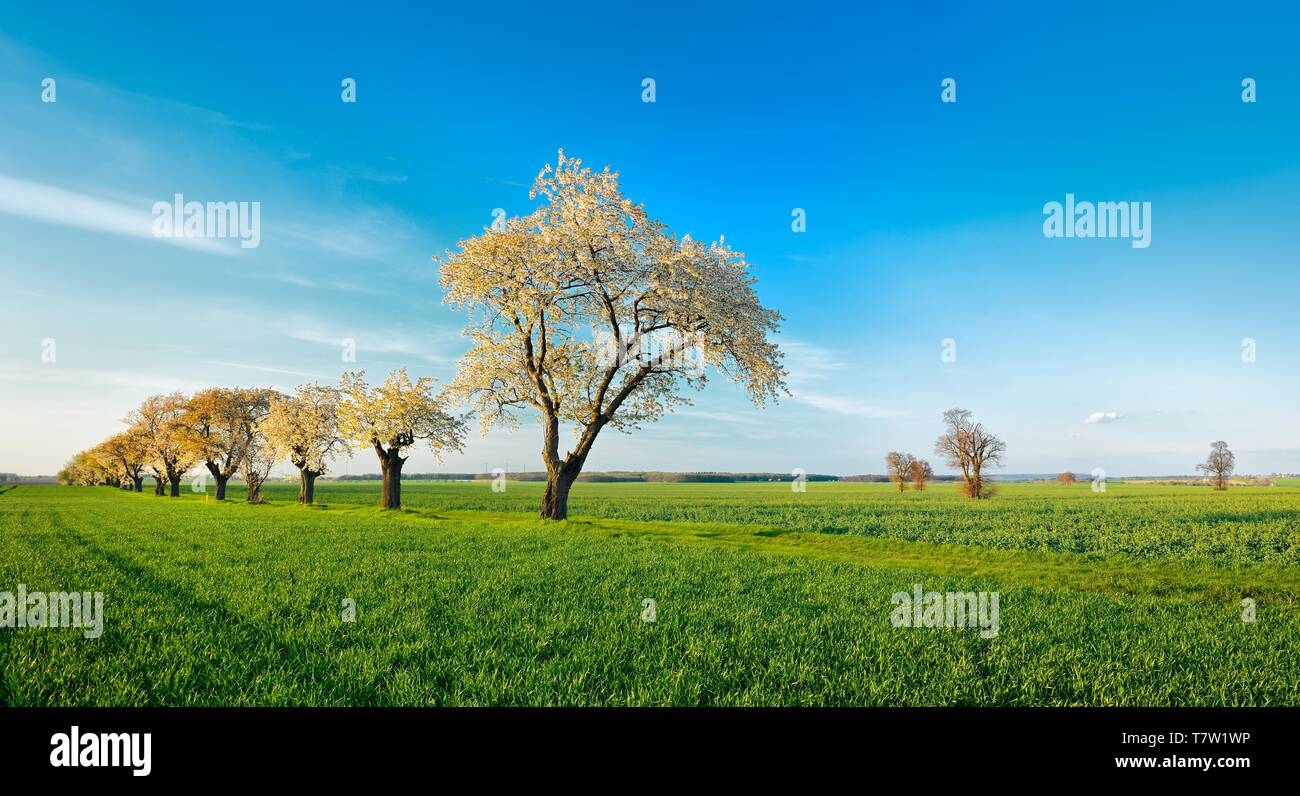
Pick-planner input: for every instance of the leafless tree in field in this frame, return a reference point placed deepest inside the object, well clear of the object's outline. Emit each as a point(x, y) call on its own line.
point(966, 445)
point(1219, 465)
point(899, 466)
point(921, 471)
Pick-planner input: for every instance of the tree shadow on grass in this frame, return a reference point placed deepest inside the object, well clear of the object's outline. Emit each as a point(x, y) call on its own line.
point(236, 633)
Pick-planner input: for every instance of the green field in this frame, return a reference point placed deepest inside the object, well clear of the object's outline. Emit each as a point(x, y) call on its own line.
point(763, 596)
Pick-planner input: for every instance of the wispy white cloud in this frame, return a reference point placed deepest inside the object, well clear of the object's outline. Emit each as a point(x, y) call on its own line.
point(511, 183)
point(430, 348)
point(316, 283)
point(205, 115)
point(841, 405)
point(722, 417)
point(366, 233)
point(813, 373)
point(65, 377)
point(433, 346)
point(807, 362)
point(54, 205)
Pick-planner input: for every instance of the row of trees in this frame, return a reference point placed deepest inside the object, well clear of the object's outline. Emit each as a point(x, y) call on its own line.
point(587, 313)
point(229, 431)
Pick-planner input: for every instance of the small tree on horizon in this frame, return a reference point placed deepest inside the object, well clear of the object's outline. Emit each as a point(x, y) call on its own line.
point(1219, 465)
point(967, 445)
point(1066, 477)
point(899, 467)
point(921, 471)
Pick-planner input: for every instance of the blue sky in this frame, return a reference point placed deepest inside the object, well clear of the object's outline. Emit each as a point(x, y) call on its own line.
point(924, 219)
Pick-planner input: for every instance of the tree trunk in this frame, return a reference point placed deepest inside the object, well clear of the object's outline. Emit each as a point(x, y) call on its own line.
point(221, 486)
point(175, 485)
point(555, 500)
point(307, 486)
point(391, 461)
point(159, 486)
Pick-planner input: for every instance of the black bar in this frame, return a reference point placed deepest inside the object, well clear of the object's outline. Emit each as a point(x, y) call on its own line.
point(331, 745)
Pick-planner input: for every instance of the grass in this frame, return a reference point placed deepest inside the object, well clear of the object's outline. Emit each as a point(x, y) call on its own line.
point(764, 597)
point(1246, 524)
